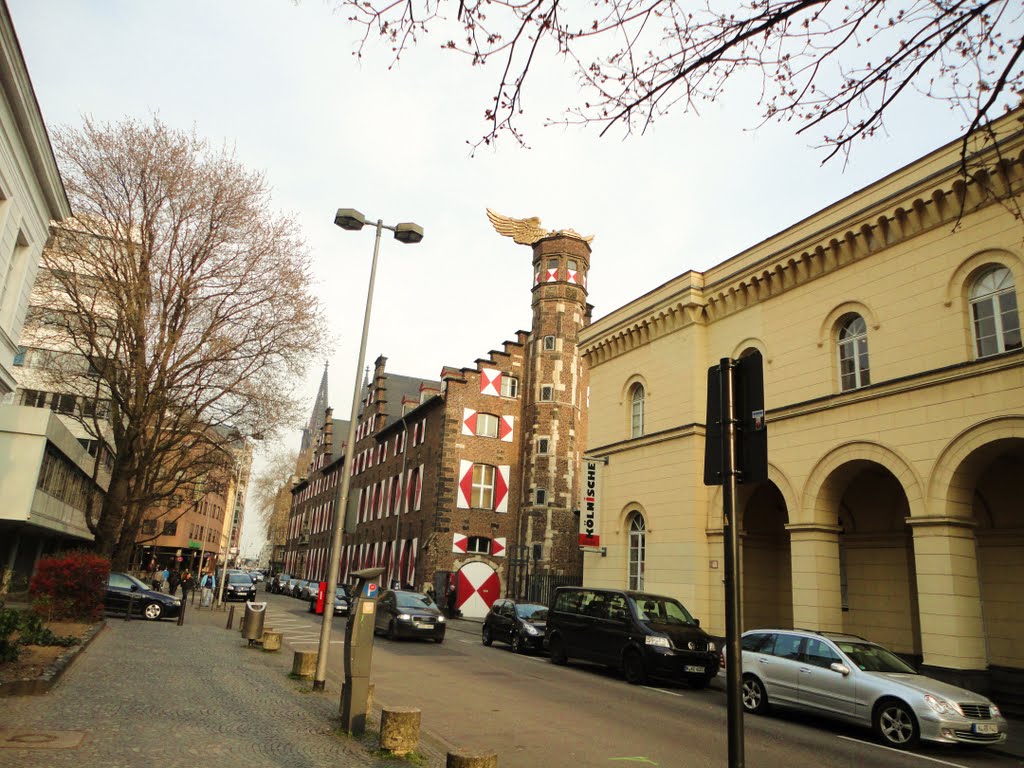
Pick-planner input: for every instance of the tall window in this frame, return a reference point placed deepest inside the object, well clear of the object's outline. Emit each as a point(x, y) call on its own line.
point(636, 428)
point(547, 393)
point(483, 487)
point(853, 354)
point(637, 551)
point(486, 425)
point(994, 313)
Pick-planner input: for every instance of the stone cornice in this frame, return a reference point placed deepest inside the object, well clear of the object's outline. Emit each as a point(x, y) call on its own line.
point(923, 202)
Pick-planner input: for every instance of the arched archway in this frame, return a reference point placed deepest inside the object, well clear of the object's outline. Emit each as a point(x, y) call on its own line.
point(980, 478)
point(861, 496)
point(765, 557)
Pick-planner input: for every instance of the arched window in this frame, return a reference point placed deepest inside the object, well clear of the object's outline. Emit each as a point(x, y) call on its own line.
point(636, 422)
point(854, 371)
point(637, 551)
point(994, 312)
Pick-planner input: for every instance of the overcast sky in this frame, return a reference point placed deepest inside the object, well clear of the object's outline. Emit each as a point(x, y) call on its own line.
point(278, 81)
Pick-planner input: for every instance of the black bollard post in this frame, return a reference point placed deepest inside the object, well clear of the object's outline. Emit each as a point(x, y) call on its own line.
point(231, 617)
point(181, 614)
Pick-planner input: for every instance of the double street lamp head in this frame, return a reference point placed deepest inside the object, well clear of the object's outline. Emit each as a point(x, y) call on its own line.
point(353, 220)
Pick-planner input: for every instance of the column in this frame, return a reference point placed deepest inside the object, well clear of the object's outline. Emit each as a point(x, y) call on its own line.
point(817, 598)
point(948, 593)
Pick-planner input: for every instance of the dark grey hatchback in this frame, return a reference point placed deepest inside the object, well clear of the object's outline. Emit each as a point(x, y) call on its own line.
point(521, 625)
point(642, 634)
point(409, 614)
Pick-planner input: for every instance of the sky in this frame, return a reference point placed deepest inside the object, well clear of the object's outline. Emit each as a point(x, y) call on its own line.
point(277, 81)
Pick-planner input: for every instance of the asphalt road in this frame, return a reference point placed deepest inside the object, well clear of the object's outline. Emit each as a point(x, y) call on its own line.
point(533, 713)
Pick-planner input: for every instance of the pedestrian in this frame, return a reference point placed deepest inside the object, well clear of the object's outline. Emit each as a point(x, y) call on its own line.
point(208, 584)
point(186, 584)
point(157, 578)
point(165, 575)
point(452, 598)
point(173, 580)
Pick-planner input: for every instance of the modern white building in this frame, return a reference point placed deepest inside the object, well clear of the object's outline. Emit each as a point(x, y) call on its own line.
point(43, 479)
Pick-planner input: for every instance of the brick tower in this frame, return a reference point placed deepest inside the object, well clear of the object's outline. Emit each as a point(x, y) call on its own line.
point(554, 407)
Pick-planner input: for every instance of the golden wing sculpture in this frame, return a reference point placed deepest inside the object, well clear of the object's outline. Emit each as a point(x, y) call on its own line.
point(527, 231)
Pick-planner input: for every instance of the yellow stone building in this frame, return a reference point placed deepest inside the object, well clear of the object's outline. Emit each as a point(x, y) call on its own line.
point(889, 324)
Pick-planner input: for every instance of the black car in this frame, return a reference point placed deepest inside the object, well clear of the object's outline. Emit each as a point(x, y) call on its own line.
point(124, 591)
point(519, 624)
point(239, 587)
point(408, 614)
point(341, 602)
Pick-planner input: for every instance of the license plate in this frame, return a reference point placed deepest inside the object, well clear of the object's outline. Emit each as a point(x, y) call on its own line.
point(986, 728)
point(690, 668)
point(420, 625)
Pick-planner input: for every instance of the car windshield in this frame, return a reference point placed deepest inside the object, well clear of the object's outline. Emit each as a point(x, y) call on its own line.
point(874, 658)
point(661, 610)
point(532, 612)
point(238, 578)
point(412, 600)
point(135, 581)
point(340, 592)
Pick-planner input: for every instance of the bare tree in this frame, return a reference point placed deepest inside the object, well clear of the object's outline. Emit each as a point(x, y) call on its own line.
point(833, 68)
point(186, 297)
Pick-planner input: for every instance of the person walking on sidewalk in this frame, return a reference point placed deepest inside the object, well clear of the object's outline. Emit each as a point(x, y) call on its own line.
point(187, 582)
point(173, 580)
point(165, 575)
point(208, 584)
point(158, 579)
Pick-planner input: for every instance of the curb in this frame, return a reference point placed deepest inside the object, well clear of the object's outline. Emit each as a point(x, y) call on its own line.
point(35, 686)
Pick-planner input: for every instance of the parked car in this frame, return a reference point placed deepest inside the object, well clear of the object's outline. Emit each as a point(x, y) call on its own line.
point(341, 602)
point(280, 583)
point(309, 590)
point(849, 678)
point(239, 587)
point(124, 590)
point(257, 576)
point(401, 613)
point(642, 634)
point(521, 625)
point(297, 586)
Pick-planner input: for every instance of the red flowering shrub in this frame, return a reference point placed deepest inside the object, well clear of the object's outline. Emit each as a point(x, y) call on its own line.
point(70, 585)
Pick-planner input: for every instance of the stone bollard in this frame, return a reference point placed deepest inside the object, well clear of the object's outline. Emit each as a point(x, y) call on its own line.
point(399, 729)
point(271, 641)
point(264, 636)
point(304, 663)
point(466, 758)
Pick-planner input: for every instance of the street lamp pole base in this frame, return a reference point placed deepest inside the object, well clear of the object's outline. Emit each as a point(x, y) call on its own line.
point(318, 685)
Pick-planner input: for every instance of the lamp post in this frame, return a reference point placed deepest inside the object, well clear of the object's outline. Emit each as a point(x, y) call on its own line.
point(352, 220)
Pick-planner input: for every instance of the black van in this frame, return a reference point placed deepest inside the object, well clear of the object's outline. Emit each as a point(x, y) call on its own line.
point(644, 635)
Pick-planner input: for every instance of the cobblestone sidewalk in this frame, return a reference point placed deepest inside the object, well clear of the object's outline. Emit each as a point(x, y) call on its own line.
point(155, 694)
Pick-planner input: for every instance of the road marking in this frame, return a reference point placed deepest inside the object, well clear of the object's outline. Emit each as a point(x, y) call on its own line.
point(670, 693)
point(902, 752)
point(314, 642)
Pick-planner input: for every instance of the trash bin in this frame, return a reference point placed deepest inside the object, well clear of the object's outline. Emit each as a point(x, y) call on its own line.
point(252, 622)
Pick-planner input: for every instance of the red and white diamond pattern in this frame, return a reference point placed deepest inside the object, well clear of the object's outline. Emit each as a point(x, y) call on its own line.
point(570, 276)
point(490, 382)
point(551, 275)
point(460, 542)
point(505, 428)
point(478, 588)
point(498, 547)
point(468, 421)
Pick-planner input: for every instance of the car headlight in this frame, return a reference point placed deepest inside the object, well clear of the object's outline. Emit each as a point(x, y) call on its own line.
point(942, 706)
point(993, 710)
point(440, 619)
point(403, 617)
point(176, 602)
point(657, 640)
point(530, 629)
point(711, 646)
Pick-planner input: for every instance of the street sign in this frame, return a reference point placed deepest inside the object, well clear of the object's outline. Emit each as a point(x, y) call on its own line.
point(370, 590)
point(750, 448)
point(590, 505)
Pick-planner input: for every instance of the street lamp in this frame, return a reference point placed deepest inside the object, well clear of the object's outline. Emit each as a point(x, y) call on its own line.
point(352, 220)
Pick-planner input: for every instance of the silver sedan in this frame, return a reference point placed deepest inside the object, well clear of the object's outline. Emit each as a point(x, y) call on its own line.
point(849, 678)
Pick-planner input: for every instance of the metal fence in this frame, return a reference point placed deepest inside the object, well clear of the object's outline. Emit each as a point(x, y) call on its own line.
point(540, 587)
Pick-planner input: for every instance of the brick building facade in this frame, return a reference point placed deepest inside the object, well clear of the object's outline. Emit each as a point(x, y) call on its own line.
point(472, 480)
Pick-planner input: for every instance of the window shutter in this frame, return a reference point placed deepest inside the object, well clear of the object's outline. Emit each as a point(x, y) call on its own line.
point(505, 428)
point(468, 421)
point(412, 561)
point(459, 543)
point(387, 497)
point(490, 382)
point(465, 492)
point(419, 487)
point(501, 488)
point(498, 547)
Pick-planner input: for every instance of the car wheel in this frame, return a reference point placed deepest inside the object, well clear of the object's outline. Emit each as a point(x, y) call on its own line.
point(392, 630)
point(895, 724)
point(755, 700)
point(556, 647)
point(633, 668)
point(517, 644)
point(439, 640)
point(485, 635)
point(152, 611)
